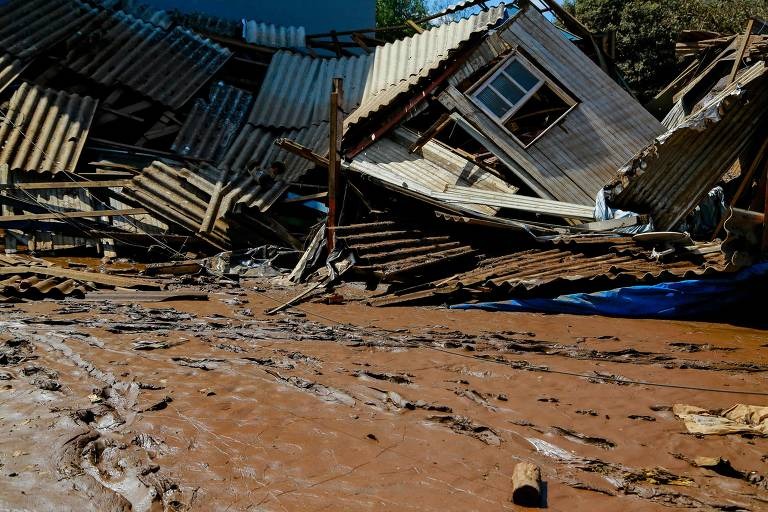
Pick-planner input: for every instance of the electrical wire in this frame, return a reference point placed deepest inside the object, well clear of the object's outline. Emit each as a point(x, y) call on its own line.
point(173, 251)
point(509, 364)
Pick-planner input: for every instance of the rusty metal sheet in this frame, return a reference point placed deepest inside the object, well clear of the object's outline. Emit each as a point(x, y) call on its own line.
point(671, 176)
point(45, 129)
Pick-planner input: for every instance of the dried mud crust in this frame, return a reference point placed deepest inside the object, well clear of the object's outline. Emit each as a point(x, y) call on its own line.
point(192, 406)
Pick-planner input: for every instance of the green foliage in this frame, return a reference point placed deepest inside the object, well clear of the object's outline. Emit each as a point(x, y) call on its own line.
point(392, 13)
point(647, 30)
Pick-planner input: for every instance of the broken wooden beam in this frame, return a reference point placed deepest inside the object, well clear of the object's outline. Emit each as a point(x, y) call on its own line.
point(431, 132)
point(302, 151)
point(73, 215)
point(88, 277)
point(55, 185)
point(742, 50)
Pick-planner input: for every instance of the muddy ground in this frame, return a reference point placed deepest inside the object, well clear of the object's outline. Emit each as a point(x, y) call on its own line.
point(215, 406)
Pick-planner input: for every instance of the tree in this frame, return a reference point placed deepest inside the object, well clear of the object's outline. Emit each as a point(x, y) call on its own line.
point(647, 30)
point(393, 13)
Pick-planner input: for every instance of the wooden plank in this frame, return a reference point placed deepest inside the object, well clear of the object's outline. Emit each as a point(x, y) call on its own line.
point(78, 275)
point(609, 225)
point(304, 152)
point(55, 185)
point(431, 132)
point(73, 215)
point(742, 50)
point(334, 158)
point(301, 199)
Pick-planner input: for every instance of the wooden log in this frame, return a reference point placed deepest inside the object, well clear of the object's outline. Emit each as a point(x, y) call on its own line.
point(526, 485)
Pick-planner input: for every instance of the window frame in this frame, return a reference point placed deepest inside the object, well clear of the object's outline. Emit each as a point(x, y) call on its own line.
point(485, 82)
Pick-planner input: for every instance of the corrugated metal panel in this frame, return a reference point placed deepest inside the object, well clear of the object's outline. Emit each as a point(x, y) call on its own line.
point(166, 66)
point(466, 195)
point(135, 8)
point(34, 287)
point(414, 57)
point(44, 129)
point(428, 173)
point(296, 89)
point(211, 126)
point(550, 271)
point(254, 149)
point(671, 176)
point(275, 36)
point(209, 24)
point(10, 69)
point(30, 27)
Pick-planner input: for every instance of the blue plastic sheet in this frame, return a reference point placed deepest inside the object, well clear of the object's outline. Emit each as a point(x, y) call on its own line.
point(683, 299)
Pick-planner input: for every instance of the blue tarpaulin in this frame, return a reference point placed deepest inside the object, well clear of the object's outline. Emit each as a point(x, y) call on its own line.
point(683, 299)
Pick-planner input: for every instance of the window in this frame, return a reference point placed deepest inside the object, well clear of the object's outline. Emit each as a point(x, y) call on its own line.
point(522, 99)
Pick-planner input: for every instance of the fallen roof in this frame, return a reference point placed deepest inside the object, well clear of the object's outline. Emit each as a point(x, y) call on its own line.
point(45, 129)
point(168, 66)
point(670, 177)
point(426, 173)
point(212, 125)
point(296, 89)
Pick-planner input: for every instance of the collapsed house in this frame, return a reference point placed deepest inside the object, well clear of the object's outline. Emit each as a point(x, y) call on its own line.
point(489, 148)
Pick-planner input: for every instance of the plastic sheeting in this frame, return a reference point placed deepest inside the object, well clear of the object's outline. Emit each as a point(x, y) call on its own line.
point(682, 299)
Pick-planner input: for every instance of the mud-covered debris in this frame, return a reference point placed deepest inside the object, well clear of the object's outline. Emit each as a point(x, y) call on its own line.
point(641, 417)
point(609, 378)
point(155, 344)
point(658, 476)
point(399, 402)
point(274, 363)
point(206, 364)
point(476, 396)
point(397, 378)
point(578, 437)
point(158, 406)
point(739, 419)
point(465, 426)
point(16, 351)
point(47, 384)
point(6, 376)
point(326, 393)
point(588, 412)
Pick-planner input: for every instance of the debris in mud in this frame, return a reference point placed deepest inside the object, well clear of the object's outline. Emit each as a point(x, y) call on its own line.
point(572, 435)
point(206, 364)
point(658, 476)
point(156, 345)
point(158, 406)
point(47, 384)
point(465, 426)
point(738, 419)
point(526, 485)
point(326, 393)
point(641, 417)
point(587, 412)
point(15, 351)
point(397, 400)
point(397, 378)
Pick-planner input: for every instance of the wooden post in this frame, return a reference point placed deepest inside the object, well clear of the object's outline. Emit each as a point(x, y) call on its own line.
point(742, 50)
point(526, 485)
point(334, 159)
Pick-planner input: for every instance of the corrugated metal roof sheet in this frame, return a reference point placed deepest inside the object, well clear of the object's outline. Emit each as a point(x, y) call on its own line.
point(296, 89)
point(10, 69)
point(254, 149)
point(135, 8)
point(32, 26)
point(35, 288)
point(275, 36)
point(428, 173)
point(212, 125)
point(672, 175)
point(166, 66)
point(209, 24)
point(45, 129)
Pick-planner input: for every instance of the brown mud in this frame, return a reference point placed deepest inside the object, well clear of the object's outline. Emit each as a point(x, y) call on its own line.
point(215, 406)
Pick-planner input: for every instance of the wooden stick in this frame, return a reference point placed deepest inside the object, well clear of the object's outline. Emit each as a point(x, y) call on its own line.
point(73, 215)
point(742, 51)
point(334, 158)
point(526, 484)
point(431, 132)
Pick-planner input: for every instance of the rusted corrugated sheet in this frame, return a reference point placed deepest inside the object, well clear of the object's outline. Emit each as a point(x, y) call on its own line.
point(672, 175)
point(392, 250)
point(254, 150)
point(45, 129)
point(10, 69)
point(168, 66)
point(296, 89)
point(563, 269)
point(212, 125)
point(275, 36)
point(427, 173)
point(30, 27)
point(36, 288)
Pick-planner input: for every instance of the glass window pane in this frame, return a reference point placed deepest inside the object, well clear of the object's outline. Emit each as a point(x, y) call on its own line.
point(508, 89)
point(521, 75)
point(493, 102)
